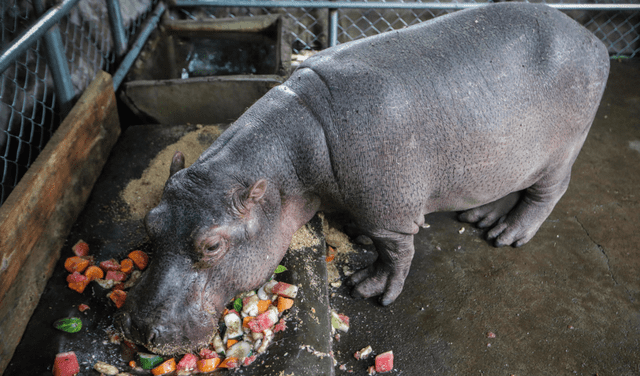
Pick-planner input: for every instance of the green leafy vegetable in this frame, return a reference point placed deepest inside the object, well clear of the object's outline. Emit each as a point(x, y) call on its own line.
point(280, 269)
point(149, 361)
point(237, 305)
point(69, 324)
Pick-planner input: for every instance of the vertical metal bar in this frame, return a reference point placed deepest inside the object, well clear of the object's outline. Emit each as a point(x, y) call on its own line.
point(57, 62)
point(117, 27)
point(333, 27)
point(130, 58)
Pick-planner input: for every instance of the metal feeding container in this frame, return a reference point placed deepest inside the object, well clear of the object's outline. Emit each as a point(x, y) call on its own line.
point(207, 71)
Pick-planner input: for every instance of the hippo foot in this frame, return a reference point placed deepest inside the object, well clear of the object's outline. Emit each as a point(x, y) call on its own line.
point(491, 213)
point(521, 224)
point(387, 274)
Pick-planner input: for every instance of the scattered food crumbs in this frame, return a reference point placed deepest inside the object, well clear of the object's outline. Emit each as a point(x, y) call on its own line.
point(339, 322)
point(105, 368)
point(363, 353)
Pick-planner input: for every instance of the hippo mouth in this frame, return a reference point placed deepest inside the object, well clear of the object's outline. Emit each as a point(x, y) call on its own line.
point(170, 339)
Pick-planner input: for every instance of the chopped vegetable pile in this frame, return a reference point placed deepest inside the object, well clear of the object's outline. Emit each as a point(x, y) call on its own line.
point(109, 274)
point(246, 329)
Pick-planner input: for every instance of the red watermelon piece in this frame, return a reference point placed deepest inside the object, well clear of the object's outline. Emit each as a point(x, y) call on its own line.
point(187, 363)
point(66, 364)
point(384, 362)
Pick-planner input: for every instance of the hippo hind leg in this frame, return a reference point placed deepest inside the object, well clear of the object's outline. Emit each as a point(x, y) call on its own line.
point(530, 211)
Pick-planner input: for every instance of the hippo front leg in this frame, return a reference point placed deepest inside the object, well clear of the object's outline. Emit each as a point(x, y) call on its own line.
point(387, 274)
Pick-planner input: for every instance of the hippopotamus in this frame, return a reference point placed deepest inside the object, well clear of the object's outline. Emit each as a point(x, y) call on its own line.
point(481, 111)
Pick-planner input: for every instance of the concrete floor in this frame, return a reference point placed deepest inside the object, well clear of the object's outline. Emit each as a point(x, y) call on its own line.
point(564, 304)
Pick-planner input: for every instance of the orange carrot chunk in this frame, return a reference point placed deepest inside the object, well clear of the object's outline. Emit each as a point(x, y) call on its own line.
point(207, 365)
point(263, 305)
point(139, 258)
point(76, 264)
point(93, 272)
point(164, 368)
point(284, 303)
point(126, 266)
point(79, 286)
point(118, 297)
point(230, 362)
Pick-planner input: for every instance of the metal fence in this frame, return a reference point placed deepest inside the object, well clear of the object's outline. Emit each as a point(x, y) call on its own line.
point(31, 106)
point(616, 23)
point(33, 99)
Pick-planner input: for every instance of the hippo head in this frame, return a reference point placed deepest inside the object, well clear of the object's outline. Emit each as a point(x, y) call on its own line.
point(211, 241)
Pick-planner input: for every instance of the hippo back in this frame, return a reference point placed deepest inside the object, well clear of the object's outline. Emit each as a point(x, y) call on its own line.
point(472, 105)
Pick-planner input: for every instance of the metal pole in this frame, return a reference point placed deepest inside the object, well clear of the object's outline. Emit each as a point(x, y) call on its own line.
point(57, 62)
point(117, 27)
point(333, 27)
point(130, 58)
point(377, 5)
point(35, 32)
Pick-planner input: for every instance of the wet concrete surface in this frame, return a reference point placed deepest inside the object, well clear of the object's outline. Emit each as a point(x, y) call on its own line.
point(566, 303)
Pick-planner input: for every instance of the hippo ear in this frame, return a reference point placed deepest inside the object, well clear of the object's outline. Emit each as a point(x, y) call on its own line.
point(245, 199)
point(177, 163)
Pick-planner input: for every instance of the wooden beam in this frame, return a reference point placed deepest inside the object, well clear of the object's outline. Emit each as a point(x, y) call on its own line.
point(37, 217)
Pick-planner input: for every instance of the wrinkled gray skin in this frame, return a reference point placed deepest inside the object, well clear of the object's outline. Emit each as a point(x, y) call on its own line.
point(484, 110)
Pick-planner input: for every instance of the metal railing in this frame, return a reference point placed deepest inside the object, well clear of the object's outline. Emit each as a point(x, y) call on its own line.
point(49, 57)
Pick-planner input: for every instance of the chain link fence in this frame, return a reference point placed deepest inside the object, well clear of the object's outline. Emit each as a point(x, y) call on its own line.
point(29, 111)
point(618, 29)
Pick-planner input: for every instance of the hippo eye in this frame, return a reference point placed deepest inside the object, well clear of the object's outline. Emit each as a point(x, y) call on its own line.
point(212, 249)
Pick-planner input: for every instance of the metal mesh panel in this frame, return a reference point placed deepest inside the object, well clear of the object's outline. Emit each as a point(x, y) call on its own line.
point(27, 116)
point(87, 43)
point(619, 30)
point(29, 113)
